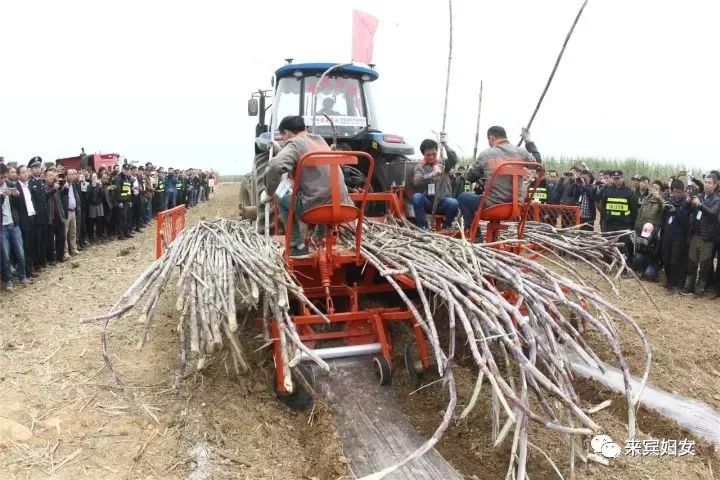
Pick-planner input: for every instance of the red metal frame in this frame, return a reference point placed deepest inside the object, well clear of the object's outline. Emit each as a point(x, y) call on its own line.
point(168, 226)
point(324, 274)
point(495, 214)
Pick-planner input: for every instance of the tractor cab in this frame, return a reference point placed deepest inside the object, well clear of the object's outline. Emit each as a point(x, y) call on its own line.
point(337, 103)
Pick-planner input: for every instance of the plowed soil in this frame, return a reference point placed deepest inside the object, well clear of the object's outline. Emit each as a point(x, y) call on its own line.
point(71, 421)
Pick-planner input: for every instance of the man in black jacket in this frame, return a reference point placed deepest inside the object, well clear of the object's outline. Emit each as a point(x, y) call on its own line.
point(618, 209)
point(673, 243)
point(704, 231)
point(39, 194)
point(26, 216)
point(123, 199)
point(55, 227)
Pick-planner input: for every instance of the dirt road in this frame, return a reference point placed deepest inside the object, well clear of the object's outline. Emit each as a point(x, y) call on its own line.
point(62, 415)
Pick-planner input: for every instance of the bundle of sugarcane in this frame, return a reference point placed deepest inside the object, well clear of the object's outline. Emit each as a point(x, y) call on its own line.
point(533, 329)
point(222, 266)
point(587, 246)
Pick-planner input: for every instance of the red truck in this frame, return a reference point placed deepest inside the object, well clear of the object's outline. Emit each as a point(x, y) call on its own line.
point(94, 161)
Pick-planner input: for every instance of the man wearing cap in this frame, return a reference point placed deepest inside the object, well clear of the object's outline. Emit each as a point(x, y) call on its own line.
point(314, 188)
point(39, 195)
point(634, 183)
point(123, 202)
point(618, 209)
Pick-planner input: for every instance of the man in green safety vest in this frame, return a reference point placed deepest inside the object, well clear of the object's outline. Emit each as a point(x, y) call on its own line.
point(123, 202)
point(618, 209)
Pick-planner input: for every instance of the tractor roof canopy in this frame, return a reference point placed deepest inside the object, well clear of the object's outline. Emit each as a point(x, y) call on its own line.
point(318, 68)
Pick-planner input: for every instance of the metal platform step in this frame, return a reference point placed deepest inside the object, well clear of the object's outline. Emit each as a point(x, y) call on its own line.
point(374, 431)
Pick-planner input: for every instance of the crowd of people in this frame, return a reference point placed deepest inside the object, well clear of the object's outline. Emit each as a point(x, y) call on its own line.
point(675, 222)
point(50, 214)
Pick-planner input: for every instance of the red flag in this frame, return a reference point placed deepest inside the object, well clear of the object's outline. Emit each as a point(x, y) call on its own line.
point(364, 26)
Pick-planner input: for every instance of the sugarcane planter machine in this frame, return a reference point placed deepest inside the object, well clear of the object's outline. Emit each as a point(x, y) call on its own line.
point(347, 289)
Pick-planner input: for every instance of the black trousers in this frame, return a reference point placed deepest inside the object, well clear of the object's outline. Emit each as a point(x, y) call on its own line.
point(674, 257)
point(628, 246)
point(27, 230)
point(55, 249)
point(40, 242)
point(135, 213)
point(81, 220)
point(121, 219)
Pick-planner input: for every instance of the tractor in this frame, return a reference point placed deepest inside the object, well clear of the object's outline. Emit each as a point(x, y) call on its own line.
point(337, 102)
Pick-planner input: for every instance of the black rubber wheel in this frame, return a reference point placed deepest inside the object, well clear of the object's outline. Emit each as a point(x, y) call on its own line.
point(411, 367)
point(300, 399)
point(382, 370)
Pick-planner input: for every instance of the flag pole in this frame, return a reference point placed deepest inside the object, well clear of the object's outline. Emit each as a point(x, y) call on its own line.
point(445, 103)
point(477, 124)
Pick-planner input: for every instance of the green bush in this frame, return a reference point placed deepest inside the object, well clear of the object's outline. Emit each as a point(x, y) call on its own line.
point(630, 166)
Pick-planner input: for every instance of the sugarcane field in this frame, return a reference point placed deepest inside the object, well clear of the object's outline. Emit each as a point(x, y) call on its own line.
point(491, 253)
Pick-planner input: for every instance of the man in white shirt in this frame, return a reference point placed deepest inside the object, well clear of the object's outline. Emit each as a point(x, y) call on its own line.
point(26, 214)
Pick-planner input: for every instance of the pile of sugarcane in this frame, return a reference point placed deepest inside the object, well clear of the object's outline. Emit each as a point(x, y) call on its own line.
point(532, 331)
point(519, 317)
point(217, 268)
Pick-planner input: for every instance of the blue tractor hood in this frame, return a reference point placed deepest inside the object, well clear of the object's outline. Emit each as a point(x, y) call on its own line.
point(319, 68)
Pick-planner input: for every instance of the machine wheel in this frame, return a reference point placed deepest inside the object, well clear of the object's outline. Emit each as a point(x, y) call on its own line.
point(413, 366)
point(382, 370)
point(300, 399)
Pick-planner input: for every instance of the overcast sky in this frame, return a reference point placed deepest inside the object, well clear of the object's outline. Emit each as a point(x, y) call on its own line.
point(168, 81)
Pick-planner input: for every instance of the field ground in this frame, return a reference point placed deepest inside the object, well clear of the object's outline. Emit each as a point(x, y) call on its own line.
point(63, 417)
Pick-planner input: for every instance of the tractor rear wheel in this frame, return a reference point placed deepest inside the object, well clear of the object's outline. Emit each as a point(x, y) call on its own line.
point(413, 366)
point(382, 369)
point(301, 398)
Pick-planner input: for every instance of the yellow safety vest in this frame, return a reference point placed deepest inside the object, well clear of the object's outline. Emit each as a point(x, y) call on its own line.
point(126, 189)
point(617, 207)
point(538, 194)
point(161, 186)
point(179, 185)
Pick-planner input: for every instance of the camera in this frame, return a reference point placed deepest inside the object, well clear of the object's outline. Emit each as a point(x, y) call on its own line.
point(692, 190)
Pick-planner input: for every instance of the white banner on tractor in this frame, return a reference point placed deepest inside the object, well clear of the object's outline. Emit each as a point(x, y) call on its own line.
point(338, 120)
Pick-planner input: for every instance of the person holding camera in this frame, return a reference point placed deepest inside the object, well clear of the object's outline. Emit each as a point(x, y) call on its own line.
point(647, 228)
point(10, 234)
point(431, 178)
point(587, 200)
point(55, 250)
point(674, 232)
point(704, 232)
point(618, 209)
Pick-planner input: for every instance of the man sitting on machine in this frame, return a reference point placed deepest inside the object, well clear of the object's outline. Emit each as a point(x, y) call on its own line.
point(502, 188)
point(314, 185)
